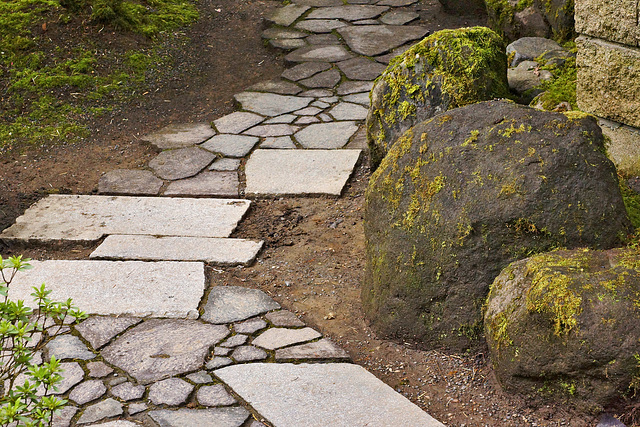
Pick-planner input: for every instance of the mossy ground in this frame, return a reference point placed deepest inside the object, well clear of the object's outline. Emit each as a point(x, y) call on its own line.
point(562, 87)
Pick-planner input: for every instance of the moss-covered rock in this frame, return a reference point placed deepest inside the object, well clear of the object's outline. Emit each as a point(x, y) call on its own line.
point(449, 69)
point(462, 195)
point(532, 18)
point(565, 325)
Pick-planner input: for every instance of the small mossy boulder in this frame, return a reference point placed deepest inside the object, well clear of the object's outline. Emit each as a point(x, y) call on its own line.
point(449, 69)
point(464, 194)
point(565, 326)
point(532, 18)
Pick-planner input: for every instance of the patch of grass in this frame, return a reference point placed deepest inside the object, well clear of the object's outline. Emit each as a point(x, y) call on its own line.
point(631, 201)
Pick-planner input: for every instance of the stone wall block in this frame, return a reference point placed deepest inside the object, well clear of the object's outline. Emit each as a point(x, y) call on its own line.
point(613, 20)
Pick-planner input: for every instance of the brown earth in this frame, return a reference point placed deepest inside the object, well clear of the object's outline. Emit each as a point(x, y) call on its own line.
point(313, 258)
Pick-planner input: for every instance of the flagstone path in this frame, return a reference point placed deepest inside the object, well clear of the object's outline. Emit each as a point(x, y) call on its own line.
point(162, 348)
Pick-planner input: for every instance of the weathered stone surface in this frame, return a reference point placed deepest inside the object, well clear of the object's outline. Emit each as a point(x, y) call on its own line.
point(218, 417)
point(214, 184)
point(287, 44)
point(349, 87)
point(427, 291)
point(322, 349)
point(181, 163)
point(214, 395)
point(64, 416)
point(386, 59)
point(237, 122)
point(358, 98)
point(319, 3)
point(326, 79)
point(323, 39)
point(129, 182)
point(118, 287)
point(398, 17)
point(287, 15)
point(200, 377)
point(98, 369)
point(99, 330)
point(320, 25)
point(615, 96)
point(68, 347)
point(231, 145)
point(526, 77)
point(309, 111)
point(396, 3)
point(529, 48)
point(283, 118)
point(72, 374)
point(270, 104)
point(282, 33)
point(306, 120)
point(372, 40)
point(281, 337)
point(180, 135)
point(118, 423)
point(172, 391)
point(87, 391)
point(361, 69)
point(317, 93)
point(221, 351)
point(218, 362)
point(624, 148)
point(127, 391)
point(101, 410)
point(538, 18)
point(326, 135)
point(348, 13)
point(250, 326)
point(135, 408)
point(278, 86)
point(235, 341)
point(616, 21)
point(228, 304)
point(348, 111)
point(225, 164)
point(159, 349)
point(319, 395)
point(248, 353)
point(304, 70)
point(278, 142)
point(284, 318)
point(272, 130)
point(607, 420)
point(283, 172)
point(319, 54)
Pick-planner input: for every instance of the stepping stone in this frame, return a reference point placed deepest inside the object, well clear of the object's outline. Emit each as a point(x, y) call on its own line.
point(319, 3)
point(129, 182)
point(361, 69)
point(287, 44)
point(118, 423)
point(270, 104)
point(322, 39)
point(218, 417)
point(272, 130)
point(318, 54)
point(358, 98)
point(224, 165)
point(320, 104)
point(212, 184)
point(309, 111)
point(325, 117)
point(248, 353)
point(235, 341)
point(326, 79)
point(317, 93)
point(274, 338)
point(118, 287)
point(99, 330)
point(348, 13)
point(98, 369)
point(71, 374)
point(398, 17)
point(282, 33)
point(231, 145)
point(214, 395)
point(320, 395)
point(366, 22)
point(372, 40)
point(135, 408)
point(284, 118)
point(218, 251)
point(385, 59)
point(99, 411)
point(327, 135)
point(285, 16)
point(284, 318)
point(200, 377)
point(298, 172)
point(348, 111)
point(282, 142)
point(158, 349)
point(323, 349)
point(87, 391)
point(218, 362)
point(63, 417)
point(127, 391)
point(396, 3)
point(228, 304)
point(180, 135)
point(250, 326)
point(221, 351)
point(349, 87)
point(307, 120)
point(320, 25)
point(278, 86)
point(68, 347)
point(172, 391)
point(181, 163)
point(237, 122)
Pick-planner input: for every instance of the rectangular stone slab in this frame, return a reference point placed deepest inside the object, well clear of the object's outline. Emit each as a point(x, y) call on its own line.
point(134, 288)
point(150, 248)
point(89, 218)
point(319, 395)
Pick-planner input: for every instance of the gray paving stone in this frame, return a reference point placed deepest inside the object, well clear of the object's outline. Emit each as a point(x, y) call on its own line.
point(309, 111)
point(366, 22)
point(317, 93)
point(319, 3)
point(224, 165)
point(399, 17)
point(372, 40)
point(63, 417)
point(117, 380)
point(349, 87)
point(158, 349)
point(250, 326)
point(318, 54)
point(218, 417)
point(282, 33)
point(322, 349)
point(172, 391)
point(297, 172)
point(99, 330)
point(396, 3)
point(235, 341)
point(118, 287)
point(358, 98)
point(385, 59)
point(325, 117)
point(322, 39)
point(272, 130)
point(117, 423)
point(72, 374)
point(348, 111)
point(87, 391)
point(98, 369)
point(287, 44)
point(200, 377)
point(320, 104)
point(135, 408)
point(68, 347)
point(89, 218)
point(329, 99)
point(348, 13)
point(359, 140)
point(228, 304)
point(326, 135)
point(284, 318)
point(214, 395)
point(181, 163)
point(274, 338)
point(277, 86)
point(306, 120)
point(326, 79)
point(283, 142)
point(255, 423)
point(361, 69)
point(237, 122)
point(287, 15)
point(129, 182)
point(128, 391)
point(320, 25)
point(101, 410)
point(284, 118)
point(180, 135)
point(213, 184)
point(231, 145)
point(248, 353)
point(218, 362)
point(320, 395)
point(304, 70)
point(270, 104)
point(221, 351)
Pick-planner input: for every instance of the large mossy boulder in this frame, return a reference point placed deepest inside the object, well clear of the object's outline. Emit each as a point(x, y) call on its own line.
point(532, 18)
point(565, 325)
point(464, 194)
point(449, 69)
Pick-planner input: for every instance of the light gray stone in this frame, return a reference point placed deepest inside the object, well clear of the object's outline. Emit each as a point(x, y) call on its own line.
point(317, 93)
point(287, 44)
point(235, 341)
point(323, 39)
point(326, 79)
point(282, 33)
point(297, 172)
point(348, 13)
point(228, 304)
point(287, 15)
point(272, 130)
point(329, 99)
point(129, 182)
point(99, 330)
point(87, 391)
point(359, 140)
point(348, 111)
point(284, 118)
point(319, 54)
point(117, 380)
point(181, 163)
point(214, 395)
point(349, 87)
point(158, 349)
point(304, 70)
point(320, 104)
point(180, 135)
point(309, 111)
point(200, 377)
point(327, 135)
point(237, 122)
point(64, 416)
point(128, 391)
point(89, 218)
point(98, 369)
point(218, 417)
point(398, 17)
point(218, 362)
point(319, 3)
point(396, 3)
point(270, 104)
point(278, 86)
point(231, 145)
point(306, 120)
point(274, 338)
point(135, 408)
point(221, 351)
point(118, 287)
point(117, 423)
point(526, 77)
point(358, 98)
point(529, 48)
point(250, 326)
point(172, 391)
point(325, 117)
point(279, 142)
point(320, 25)
point(372, 40)
point(284, 318)
point(323, 349)
point(213, 184)
point(361, 69)
point(68, 347)
point(101, 410)
point(624, 148)
point(225, 164)
point(255, 423)
point(320, 395)
point(248, 353)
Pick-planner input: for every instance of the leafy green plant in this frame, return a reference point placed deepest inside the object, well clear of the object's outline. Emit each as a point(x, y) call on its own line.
point(26, 386)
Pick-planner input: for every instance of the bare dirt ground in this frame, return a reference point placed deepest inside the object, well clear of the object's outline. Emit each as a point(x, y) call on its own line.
point(313, 259)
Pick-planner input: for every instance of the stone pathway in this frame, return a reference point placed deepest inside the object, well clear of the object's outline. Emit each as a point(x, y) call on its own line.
point(162, 348)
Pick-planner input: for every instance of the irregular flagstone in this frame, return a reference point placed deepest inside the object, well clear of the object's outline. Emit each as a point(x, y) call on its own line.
point(237, 122)
point(181, 163)
point(99, 411)
point(396, 3)
point(98, 369)
point(277, 86)
point(372, 40)
point(200, 377)
point(398, 17)
point(282, 172)
point(326, 79)
point(287, 44)
point(127, 391)
point(317, 93)
point(87, 391)
point(225, 165)
point(99, 330)
point(326, 135)
point(385, 59)
point(231, 145)
point(118, 423)
point(172, 391)
point(284, 118)
point(284, 142)
point(218, 362)
point(248, 353)
point(282, 33)
point(304, 70)
point(309, 111)
point(135, 408)
point(322, 349)
point(305, 120)
point(349, 87)
point(214, 395)
point(216, 184)
point(270, 104)
point(274, 338)
point(221, 351)
point(235, 341)
point(348, 111)
point(287, 15)
point(320, 104)
point(63, 417)
point(366, 22)
point(158, 349)
point(319, 54)
point(320, 395)
point(118, 287)
point(358, 98)
point(129, 182)
point(71, 374)
point(284, 318)
point(150, 248)
point(68, 347)
point(180, 135)
point(319, 3)
point(348, 13)
point(323, 39)
point(228, 304)
point(325, 117)
point(250, 326)
point(218, 417)
point(320, 25)
point(361, 69)
point(272, 130)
